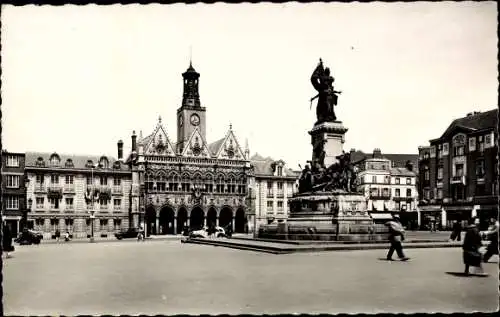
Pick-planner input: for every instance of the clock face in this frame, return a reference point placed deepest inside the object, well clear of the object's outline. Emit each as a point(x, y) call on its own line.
point(181, 120)
point(195, 120)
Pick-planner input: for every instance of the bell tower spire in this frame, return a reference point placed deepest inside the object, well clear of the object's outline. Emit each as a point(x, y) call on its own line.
point(191, 95)
point(191, 115)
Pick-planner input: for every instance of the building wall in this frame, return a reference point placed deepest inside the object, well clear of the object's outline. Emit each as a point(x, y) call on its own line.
point(17, 192)
point(47, 219)
point(273, 196)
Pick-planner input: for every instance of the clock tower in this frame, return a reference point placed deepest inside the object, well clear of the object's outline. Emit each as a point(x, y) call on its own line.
point(190, 115)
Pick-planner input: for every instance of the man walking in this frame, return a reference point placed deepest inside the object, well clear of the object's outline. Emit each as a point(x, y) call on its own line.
point(456, 233)
point(396, 235)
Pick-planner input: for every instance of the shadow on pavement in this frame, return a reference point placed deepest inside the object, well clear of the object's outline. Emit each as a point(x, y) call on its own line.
point(468, 275)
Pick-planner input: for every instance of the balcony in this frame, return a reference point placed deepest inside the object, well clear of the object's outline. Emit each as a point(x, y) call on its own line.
point(69, 189)
point(403, 198)
point(280, 194)
point(117, 190)
point(270, 194)
point(54, 191)
point(480, 180)
point(378, 196)
point(69, 209)
point(40, 188)
point(458, 180)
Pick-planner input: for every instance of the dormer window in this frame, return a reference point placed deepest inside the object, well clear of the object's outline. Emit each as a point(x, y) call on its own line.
point(69, 163)
point(40, 162)
point(103, 162)
point(280, 171)
point(54, 160)
point(89, 164)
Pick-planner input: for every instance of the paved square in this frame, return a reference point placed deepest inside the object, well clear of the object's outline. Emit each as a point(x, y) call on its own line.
point(167, 277)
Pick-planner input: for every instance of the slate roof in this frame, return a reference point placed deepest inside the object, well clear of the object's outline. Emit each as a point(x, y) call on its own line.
point(398, 171)
point(263, 166)
point(474, 122)
point(79, 161)
point(215, 146)
point(398, 160)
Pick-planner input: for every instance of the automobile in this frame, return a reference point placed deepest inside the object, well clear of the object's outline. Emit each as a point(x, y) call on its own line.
point(205, 233)
point(129, 233)
point(28, 237)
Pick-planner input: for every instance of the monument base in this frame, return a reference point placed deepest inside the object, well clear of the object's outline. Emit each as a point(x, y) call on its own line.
point(332, 135)
point(327, 216)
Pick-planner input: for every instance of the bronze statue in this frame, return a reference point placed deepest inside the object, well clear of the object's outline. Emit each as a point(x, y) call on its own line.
point(341, 175)
point(327, 96)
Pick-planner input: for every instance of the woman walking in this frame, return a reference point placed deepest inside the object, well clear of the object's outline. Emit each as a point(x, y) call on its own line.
point(492, 235)
point(7, 240)
point(472, 243)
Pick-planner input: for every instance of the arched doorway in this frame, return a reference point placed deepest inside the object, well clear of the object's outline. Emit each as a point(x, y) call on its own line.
point(240, 221)
point(166, 221)
point(226, 217)
point(150, 220)
point(182, 217)
point(197, 218)
point(211, 217)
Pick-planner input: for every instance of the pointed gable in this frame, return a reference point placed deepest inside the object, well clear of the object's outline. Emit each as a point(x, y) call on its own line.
point(230, 149)
point(158, 143)
point(196, 145)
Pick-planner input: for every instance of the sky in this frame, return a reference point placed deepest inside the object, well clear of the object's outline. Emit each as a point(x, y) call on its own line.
point(76, 79)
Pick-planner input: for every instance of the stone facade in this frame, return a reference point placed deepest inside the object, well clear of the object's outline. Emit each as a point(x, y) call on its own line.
point(459, 171)
point(189, 183)
point(272, 186)
point(57, 189)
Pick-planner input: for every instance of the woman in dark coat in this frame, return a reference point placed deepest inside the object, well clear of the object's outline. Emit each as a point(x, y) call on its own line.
point(472, 243)
point(7, 240)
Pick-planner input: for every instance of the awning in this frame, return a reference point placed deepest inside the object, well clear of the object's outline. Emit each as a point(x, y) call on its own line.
point(429, 208)
point(381, 216)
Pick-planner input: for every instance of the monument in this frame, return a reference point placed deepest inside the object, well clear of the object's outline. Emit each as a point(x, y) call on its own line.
point(327, 206)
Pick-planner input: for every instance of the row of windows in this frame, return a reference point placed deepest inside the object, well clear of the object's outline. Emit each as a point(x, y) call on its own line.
point(280, 185)
point(386, 193)
point(186, 187)
point(69, 180)
point(270, 205)
point(459, 170)
point(387, 180)
point(459, 144)
point(69, 224)
point(54, 203)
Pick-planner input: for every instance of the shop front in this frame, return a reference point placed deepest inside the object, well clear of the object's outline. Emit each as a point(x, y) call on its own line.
point(431, 217)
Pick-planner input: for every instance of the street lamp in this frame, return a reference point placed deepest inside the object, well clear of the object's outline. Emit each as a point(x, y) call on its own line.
point(30, 203)
point(92, 211)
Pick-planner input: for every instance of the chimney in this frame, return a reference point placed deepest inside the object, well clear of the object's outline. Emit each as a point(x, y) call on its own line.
point(134, 142)
point(409, 166)
point(377, 153)
point(120, 150)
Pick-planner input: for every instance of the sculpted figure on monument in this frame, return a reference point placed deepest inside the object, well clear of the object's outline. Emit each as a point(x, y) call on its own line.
point(327, 96)
point(341, 175)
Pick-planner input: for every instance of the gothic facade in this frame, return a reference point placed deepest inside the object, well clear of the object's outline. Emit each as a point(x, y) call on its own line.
point(188, 182)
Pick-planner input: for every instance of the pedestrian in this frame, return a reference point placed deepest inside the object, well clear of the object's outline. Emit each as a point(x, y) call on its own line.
point(492, 236)
point(57, 235)
point(456, 232)
point(396, 236)
point(140, 234)
point(472, 244)
point(66, 236)
point(7, 240)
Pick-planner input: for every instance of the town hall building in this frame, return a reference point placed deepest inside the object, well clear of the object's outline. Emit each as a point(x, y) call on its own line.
point(188, 182)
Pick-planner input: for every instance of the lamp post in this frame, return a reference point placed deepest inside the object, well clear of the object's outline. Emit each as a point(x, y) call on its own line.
point(92, 211)
point(24, 217)
point(30, 203)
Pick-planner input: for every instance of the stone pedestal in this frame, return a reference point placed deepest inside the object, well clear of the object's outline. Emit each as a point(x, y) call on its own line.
point(333, 134)
point(329, 216)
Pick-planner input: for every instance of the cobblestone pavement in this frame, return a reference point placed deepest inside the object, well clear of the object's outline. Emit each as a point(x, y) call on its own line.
point(167, 277)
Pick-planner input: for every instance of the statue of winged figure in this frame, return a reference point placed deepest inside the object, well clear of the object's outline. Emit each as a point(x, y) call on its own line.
point(327, 96)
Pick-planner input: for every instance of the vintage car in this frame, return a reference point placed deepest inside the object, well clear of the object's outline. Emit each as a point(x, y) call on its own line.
point(129, 233)
point(28, 237)
point(217, 232)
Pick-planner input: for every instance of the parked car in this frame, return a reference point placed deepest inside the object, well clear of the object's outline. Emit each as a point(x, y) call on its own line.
point(205, 233)
point(28, 237)
point(129, 233)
